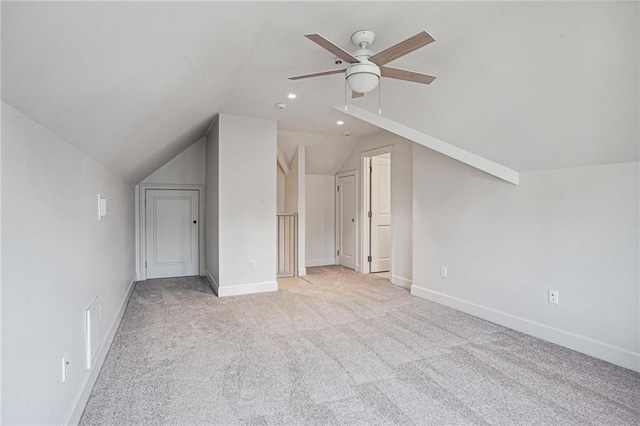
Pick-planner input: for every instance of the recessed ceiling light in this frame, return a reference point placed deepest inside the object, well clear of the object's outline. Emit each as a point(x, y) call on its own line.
point(280, 105)
point(292, 96)
point(339, 122)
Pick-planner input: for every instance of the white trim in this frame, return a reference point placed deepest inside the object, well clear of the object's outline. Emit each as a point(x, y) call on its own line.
point(136, 225)
point(284, 164)
point(320, 262)
point(241, 289)
point(401, 281)
point(336, 216)
point(142, 224)
point(213, 122)
point(302, 272)
point(473, 160)
point(80, 400)
point(604, 351)
point(213, 282)
point(363, 241)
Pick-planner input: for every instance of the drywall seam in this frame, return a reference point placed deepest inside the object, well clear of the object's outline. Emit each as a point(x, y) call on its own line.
point(445, 148)
point(604, 351)
point(80, 401)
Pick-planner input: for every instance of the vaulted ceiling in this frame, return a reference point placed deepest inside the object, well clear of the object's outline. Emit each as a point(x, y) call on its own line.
point(529, 85)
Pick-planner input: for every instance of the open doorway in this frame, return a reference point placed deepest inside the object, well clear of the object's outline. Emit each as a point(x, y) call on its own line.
point(377, 232)
point(346, 219)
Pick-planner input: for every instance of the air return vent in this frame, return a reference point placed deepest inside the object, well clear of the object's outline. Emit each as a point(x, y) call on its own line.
point(93, 327)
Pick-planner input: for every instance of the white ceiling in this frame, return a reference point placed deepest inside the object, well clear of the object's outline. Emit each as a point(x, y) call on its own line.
point(324, 154)
point(529, 85)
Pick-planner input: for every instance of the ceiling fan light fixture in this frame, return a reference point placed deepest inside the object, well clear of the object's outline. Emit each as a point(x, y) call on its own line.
point(363, 77)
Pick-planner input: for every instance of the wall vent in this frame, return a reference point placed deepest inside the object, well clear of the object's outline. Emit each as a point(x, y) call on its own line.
point(93, 329)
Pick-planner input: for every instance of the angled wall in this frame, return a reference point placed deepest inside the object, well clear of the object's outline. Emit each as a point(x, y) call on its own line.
point(186, 168)
point(61, 258)
point(572, 230)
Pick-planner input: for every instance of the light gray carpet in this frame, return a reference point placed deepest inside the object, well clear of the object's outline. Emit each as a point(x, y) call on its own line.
point(348, 349)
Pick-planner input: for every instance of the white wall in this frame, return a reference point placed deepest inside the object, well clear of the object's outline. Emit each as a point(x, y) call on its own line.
point(281, 189)
point(294, 200)
point(186, 168)
point(246, 204)
point(573, 230)
point(212, 236)
point(320, 220)
point(401, 199)
point(291, 185)
point(61, 258)
point(0, 278)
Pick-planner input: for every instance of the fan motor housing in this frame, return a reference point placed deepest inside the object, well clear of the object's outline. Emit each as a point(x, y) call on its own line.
point(370, 76)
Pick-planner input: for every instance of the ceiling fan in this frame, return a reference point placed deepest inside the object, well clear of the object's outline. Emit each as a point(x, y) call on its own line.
point(365, 69)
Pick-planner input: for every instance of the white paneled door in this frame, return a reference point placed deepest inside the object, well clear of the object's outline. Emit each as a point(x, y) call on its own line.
point(380, 213)
point(172, 233)
point(346, 210)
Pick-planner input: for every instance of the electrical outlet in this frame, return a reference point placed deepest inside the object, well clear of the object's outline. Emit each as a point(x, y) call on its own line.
point(65, 367)
point(252, 264)
point(443, 271)
point(554, 297)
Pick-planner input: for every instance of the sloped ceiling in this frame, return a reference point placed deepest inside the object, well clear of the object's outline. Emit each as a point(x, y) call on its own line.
point(529, 85)
point(324, 153)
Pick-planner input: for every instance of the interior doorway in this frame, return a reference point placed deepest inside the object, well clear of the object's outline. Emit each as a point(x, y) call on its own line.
point(171, 232)
point(346, 219)
point(377, 211)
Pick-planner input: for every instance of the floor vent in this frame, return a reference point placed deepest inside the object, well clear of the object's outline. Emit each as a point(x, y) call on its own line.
point(93, 330)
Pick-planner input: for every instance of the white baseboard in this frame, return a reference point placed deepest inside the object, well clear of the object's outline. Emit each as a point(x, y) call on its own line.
point(212, 281)
point(302, 272)
point(604, 351)
point(401, 281)
point(80, 401)
point(241, 289)
point(320, 262)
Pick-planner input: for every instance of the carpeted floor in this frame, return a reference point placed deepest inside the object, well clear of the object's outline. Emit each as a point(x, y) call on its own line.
point(345, 349)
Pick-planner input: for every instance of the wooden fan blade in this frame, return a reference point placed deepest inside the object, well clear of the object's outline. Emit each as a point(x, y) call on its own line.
point(409, 45)
point(336, 50)
point(356, 95)
point(317, 74)
point(399, 74)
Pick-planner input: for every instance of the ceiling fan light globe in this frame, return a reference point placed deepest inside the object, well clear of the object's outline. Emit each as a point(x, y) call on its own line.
point(363, 77)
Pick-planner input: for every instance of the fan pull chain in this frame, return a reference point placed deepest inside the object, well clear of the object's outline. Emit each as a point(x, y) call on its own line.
point(346, 108)
point(380, 97)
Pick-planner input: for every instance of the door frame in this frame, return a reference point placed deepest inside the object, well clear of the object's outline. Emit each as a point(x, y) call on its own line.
point(141, 225)
point(364, 202)
point(355, 175)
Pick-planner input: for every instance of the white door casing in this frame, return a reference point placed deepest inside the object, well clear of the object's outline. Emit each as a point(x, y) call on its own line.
point(346, 220)
point(172, 233)
point(380, 214)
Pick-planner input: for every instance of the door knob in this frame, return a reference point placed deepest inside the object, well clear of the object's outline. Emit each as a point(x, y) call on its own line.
point(195, 221)
point(353, 220)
